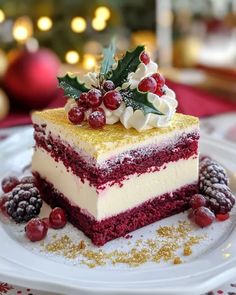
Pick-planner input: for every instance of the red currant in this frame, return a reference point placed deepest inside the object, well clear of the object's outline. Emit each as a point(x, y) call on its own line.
point(148, 84)
point(36, 230)
point(159, 91)
point(108, 85)
point(112, 99)
point(159, 79)
point(197, 201)
point(203, 216)
point(94, 98)
point(27, 179)
point(222, 217)
point(76, 115)
point(97, 119)
point(83, 100)
point(57, 218)
point(145, 58)
point(8, 183)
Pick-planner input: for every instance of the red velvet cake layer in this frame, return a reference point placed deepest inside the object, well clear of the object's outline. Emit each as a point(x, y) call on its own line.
point(115, 170)
point(111, 228)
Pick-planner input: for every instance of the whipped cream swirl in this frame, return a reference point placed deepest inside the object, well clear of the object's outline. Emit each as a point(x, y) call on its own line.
point(129, 117)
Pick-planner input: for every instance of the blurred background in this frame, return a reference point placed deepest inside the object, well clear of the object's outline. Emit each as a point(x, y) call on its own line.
point(194, 43)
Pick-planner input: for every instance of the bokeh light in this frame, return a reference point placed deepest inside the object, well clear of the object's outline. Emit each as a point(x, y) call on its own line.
point(2, 16)
point(99, 24)
point(22, 29)
point(78, 24)
point(72, 57)
point(89, 62)
point(44, 23)
point(103, 12)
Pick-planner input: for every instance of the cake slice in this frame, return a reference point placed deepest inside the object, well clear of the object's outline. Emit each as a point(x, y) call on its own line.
point(114, 180)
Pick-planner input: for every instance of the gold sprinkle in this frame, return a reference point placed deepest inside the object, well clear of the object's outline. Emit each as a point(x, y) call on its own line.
point(177, 260)
point(163, 247)
point(187, 251)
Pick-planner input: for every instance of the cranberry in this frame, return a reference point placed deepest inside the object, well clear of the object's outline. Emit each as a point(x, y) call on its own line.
point(112, 99)
point(145, 58)
point(76, 115)
point(108, 85)
point(97, 119)
point(222, 217)
point(83, 100)
point(159, 91)
point(28, 179)
point(197, 201)
point(203, 216)
point(94, 98)
point(8, 183)
point(159, 79)
point(3, 200)
point(36, 230)
point(46, 221)
point(148, 84)
point(57, 218)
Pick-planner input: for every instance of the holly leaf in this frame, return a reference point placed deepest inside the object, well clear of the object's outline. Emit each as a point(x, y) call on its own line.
point(108, 58)
point(126, 65)
point(72, 86)
point(139, 101)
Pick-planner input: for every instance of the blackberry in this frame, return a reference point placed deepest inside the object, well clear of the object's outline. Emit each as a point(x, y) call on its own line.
point(219, 198)
point(24, 202)
point(210, 173)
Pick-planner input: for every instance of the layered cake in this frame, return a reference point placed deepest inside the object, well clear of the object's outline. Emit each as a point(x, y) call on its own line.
point(118, 156)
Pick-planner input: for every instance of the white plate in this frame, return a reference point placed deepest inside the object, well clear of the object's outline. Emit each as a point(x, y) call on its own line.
point(21, 262)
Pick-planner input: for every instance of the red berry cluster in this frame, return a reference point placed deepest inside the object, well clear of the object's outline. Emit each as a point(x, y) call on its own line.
point(91, 101)
point(153, 83)
point(37, 228)
point(201, 214)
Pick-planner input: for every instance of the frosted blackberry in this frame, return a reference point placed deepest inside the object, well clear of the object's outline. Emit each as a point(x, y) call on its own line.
point(24, 202)
point(211, 173)
point(219, 198)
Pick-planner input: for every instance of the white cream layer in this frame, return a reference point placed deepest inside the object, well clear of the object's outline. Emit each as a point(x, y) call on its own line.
point(114, 199)
point(158, 140)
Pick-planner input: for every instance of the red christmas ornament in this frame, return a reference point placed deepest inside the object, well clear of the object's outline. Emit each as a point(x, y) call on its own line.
point(31, 78)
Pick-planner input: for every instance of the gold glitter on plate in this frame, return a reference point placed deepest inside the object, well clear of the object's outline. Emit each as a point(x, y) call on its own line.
point(111, 137)
point(165, 246)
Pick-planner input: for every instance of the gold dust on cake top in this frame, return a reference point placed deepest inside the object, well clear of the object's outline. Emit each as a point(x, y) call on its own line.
point(110, 137)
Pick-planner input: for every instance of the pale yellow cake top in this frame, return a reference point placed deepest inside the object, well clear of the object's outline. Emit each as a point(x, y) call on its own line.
point(111, 137)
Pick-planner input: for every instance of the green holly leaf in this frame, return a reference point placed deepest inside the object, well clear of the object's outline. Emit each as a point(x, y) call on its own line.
point(126, 65)
point(139, 101)
point(108, 58)
point(72, 86)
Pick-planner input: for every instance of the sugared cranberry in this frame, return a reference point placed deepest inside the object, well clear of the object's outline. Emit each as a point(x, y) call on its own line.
point(3, 200)
point(94, 98)
point(83, 100)
point(97, 118)
point(36, 230)
point(145, 58)
point(148, 84)
point(27, 179)
point(197, 201)
point(159, 91)
point(203, 216)
point(57, 218)
point(222, 217)
point(76, 115)
point(108, 85)
point(112, 99)
point(8, 183)
point(159, 79)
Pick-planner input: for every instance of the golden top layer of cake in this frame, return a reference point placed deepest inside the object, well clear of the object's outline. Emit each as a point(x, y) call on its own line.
point(111, 137)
